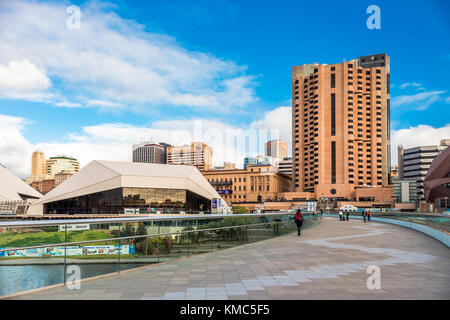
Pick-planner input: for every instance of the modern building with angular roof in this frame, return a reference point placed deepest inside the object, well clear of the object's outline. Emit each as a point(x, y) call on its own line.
point(12, 188)
point(437, 181)
point(112, 187)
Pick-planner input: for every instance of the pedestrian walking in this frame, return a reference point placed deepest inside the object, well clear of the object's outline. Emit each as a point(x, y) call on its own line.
point(340, 214)
point(368, 215)
point(347, 215)
point(364, 215)
point(299, 220)
point(321, 214)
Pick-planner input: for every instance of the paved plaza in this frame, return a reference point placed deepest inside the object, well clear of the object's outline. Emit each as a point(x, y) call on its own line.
point(327, 262)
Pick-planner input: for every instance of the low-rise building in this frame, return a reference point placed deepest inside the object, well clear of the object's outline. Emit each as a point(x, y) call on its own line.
point(255, 183)
point(62, 176)
point(113, 187)
point(405, 194)
point(44, 186)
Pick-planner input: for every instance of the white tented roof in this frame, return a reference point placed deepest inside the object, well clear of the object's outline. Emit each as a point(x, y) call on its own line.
point(12, 186)
point(99, 176)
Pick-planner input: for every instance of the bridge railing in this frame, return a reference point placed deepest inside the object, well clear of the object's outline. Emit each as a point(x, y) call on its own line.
point(35, 254)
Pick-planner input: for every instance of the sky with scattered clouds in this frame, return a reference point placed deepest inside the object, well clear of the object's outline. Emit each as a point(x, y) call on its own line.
point(178, 71)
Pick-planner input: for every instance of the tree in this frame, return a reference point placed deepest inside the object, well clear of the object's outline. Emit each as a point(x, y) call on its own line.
point(239, 210)
point(141, 229)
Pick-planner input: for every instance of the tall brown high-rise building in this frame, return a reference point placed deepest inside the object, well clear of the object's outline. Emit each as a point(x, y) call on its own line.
point(38, 163)
point(340, 126)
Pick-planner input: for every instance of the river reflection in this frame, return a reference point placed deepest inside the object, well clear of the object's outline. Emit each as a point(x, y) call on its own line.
point(14, 279)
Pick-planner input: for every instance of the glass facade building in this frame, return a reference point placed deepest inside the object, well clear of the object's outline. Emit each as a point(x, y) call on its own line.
point(115, 201)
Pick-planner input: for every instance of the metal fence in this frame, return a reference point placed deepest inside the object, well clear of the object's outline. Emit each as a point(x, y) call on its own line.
point(103, 246)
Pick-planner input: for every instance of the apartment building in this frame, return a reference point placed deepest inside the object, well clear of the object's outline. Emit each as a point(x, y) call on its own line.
point(340, 126)
point(197, 154)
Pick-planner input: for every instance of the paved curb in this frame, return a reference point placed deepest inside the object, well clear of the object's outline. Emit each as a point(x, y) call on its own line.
point(436, 234)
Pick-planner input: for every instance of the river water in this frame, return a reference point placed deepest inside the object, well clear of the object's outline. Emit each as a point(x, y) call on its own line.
point(20, 278)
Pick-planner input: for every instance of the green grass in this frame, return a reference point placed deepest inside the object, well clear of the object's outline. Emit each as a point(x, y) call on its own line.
point(25, 239)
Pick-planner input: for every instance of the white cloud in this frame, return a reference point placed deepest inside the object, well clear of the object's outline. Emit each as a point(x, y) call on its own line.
point(408, 84)
point(68, 104)
point(278, 119)
point(113, 141)
point(422, 135)
point(103, 103)
point(419, 101)
point(116, 60)
point(21, 79)
point(15, 150)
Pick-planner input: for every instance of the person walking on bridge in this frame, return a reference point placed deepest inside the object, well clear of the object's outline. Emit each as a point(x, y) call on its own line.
point(299, 220)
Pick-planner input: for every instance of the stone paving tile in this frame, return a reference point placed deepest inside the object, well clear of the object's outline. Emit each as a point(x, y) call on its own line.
point(326, 262)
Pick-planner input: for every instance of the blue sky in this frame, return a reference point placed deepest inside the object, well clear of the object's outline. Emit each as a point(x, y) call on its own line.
point(133, 66)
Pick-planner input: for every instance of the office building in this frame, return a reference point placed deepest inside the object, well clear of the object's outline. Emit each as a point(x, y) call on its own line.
point(165, 146)
point(38, 163)
point(285, 166)
point(254, 183)
point(149, 152)
point(415, 162)
point(262, 160)
point(340, 126)
point(197, 154)
point(62, 163)
point(394, 172)
point(226, 166)
point(405, 194)
point(277, 149)
point(113, 187)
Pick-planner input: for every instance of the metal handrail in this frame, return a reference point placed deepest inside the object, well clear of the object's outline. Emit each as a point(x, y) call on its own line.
point(136, 237)
point(52, 223)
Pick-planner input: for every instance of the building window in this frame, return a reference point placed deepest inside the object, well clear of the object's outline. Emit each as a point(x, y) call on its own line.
point(333, 80)
point(333, 162)
point(333, 114)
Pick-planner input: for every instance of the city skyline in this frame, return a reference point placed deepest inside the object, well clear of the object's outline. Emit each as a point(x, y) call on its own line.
point(233, 88)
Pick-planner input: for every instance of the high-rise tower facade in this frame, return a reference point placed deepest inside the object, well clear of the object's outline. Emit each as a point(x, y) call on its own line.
point(340, 126)
point(276, 149)
point(197, 154)
point(38, 163)
point(149, 152)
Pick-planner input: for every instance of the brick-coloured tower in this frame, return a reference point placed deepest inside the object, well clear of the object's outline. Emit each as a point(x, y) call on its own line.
point(340, 126)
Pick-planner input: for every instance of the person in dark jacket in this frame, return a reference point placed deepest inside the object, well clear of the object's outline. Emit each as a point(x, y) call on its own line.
point(299, 220)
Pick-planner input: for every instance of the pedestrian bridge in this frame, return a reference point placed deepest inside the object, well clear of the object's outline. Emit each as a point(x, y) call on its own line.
point(331, 260)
